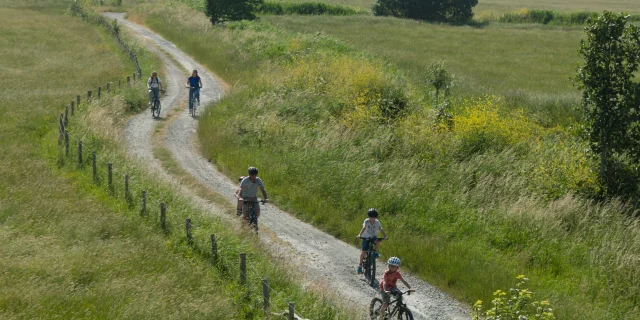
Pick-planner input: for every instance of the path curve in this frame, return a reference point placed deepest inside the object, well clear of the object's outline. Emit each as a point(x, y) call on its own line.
point(323, 258)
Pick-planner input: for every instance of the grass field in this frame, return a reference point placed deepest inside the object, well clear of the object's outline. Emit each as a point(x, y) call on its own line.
point(500, 6)
point(529, 66)
point(73, 248)
point(467, 207)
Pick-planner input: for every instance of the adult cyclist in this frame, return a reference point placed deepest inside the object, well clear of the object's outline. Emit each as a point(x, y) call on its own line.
point(194, 83)
point(248, 192)
point(154, 85)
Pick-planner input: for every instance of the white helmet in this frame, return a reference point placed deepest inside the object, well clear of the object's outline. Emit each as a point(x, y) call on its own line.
point(394, 261)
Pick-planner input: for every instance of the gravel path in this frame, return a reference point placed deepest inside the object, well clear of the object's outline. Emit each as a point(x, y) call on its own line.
point(323, 258)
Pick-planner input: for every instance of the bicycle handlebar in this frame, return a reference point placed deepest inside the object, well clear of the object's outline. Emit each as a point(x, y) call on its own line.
point(408, 292)
point(247, 201)
point(370, 239)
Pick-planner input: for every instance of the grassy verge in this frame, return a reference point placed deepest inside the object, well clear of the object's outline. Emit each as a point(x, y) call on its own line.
point(468, 206)
point(72, 246)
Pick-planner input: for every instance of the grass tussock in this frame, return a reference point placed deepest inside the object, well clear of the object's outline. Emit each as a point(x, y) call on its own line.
point(469, 204)
point(308, 8)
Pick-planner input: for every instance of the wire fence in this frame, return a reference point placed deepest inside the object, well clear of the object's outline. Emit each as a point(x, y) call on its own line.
point(81, 149)
point(113, 28)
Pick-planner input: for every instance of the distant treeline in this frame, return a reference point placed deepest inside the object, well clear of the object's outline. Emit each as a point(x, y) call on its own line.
point(308, 8)
point(546, 17)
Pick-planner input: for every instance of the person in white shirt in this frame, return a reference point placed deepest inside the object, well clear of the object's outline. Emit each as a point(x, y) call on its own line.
point(154, 85)
point(370, 228)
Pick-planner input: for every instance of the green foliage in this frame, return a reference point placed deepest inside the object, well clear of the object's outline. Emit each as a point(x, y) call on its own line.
point(442, 81)
point(231, 10)
point(135, 98)
point(429, 10)
point(518, 304)
point(307, 8)
point(611, 54)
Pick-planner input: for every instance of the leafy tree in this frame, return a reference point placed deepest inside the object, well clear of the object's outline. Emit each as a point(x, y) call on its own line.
point(231, 10)
point(429, 10)
point(610, 101)
point(442, 81)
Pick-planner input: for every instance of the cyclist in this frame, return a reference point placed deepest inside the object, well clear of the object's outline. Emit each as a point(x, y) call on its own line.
point(249, 192)
point(194, 84)
point(154, 85)
point(370, 228)
point(388, 282)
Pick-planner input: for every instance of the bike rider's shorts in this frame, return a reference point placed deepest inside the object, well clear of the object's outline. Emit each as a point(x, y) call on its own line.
point(247, 203)
point(386, 298)
point(366, 243)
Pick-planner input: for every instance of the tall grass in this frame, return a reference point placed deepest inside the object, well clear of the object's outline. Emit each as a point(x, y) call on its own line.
point(468, 205)
point(544, 17)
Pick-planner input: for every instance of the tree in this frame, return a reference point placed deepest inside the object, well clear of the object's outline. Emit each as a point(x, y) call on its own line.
point(442, 81)
point(231, 10)
point(610, 105)
point(429, 10)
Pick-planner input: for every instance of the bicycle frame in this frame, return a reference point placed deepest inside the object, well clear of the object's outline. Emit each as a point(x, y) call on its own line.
point(370, 260)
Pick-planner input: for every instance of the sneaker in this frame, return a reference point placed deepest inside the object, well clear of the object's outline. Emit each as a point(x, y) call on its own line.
point(376, 254)
point(360, 270)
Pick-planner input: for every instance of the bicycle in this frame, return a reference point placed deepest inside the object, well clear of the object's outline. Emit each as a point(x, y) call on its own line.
point(195, 101)
point(399, 309)
point(155, 106)
point(369, 263)
point(253, 218)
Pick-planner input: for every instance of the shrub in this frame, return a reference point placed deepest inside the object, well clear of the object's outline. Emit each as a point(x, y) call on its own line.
point(306, 8)
point(135, 99)
point(519, 305)
point(231, 10)
point(429, 10)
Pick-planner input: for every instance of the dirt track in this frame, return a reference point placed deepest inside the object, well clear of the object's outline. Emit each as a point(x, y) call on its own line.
point(323, 258)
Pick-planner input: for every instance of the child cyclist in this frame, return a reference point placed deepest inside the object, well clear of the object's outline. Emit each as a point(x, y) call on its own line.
point(370, 228)
point(388, 283)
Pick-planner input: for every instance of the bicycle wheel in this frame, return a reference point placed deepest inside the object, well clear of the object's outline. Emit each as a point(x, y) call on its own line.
point(193, 107)
point(156, 108)
point(374, 309)
point(405, 314)
point(373, 270)
point(367, 268)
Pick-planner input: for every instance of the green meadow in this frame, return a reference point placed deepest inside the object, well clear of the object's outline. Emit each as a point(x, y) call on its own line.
point(334, 113)
point(71, 246)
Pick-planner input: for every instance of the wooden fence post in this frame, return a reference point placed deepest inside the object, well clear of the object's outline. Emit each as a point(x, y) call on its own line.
point(163, 216)
point(126, 186)
point(134, 78)
point(265, 296)
point(243, 268)
point(73, 111)
point(144, 202)
point(214, 247)
point(119, 83)
point(292, 311)
point(108, 87)
point(89, 96)
point(66, 116)
point(78, 101)
point(99, 92)
point(110, 170)
point(66, 143)
point(80, 154)
point(188, 227)
point(95, 167)
point(128, 81)
point(60, 129)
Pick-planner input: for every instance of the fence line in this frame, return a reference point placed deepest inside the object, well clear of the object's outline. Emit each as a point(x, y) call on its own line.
point(76, 8)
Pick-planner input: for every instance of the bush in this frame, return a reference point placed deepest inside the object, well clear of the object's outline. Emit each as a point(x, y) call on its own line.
point(135, 99)
point(428, 10)
point(231, 10)
point(306, 8)
point(518, 306)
